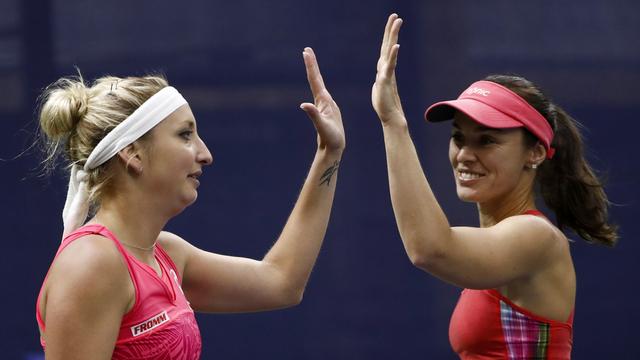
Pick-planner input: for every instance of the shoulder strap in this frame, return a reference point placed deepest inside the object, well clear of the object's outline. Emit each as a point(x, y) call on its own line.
point(168, 262)
point(534, 212)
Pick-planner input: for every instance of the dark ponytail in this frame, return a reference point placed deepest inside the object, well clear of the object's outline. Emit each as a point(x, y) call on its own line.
point(566, 182)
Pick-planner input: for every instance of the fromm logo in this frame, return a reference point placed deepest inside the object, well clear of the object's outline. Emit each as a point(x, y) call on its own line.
point(152, 323)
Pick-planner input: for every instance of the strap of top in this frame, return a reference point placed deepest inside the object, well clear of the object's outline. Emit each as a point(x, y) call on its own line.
point(534, 212)
point(88, 230)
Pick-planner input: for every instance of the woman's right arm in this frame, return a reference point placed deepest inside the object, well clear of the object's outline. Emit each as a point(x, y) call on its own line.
point(88, 292)
point(415, 207)
point(464, 256)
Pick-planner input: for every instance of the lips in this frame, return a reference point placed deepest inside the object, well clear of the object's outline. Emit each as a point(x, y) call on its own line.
point(468, 175)
point(195, 175)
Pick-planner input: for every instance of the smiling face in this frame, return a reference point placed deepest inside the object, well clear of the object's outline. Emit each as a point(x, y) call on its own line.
point(176, 158)
point(489, 164)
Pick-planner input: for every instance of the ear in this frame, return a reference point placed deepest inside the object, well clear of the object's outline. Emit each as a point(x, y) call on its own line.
point(537, 154)
point(131, 158)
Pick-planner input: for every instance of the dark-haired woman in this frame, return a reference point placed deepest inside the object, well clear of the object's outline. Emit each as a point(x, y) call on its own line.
point(507, 139)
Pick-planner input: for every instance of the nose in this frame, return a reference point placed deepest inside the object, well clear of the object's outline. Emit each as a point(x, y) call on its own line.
point(465, 154)
point(204, 156)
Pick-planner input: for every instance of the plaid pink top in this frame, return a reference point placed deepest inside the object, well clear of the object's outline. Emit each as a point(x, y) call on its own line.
point(486, 325)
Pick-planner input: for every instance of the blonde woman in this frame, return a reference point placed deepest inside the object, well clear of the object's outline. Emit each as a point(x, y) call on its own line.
point(122, 288)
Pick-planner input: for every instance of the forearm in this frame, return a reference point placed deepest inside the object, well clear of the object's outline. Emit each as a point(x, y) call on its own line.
point(422, 224)
point(296, 250)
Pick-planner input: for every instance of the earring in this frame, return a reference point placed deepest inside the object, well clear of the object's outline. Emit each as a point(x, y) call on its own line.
point(534, 166)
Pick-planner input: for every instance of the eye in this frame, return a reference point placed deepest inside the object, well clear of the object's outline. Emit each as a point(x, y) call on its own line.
point(186, 134)
point(487, 140)
point(457, 137)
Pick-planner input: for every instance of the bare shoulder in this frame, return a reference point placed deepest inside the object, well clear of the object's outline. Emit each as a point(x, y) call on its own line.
point(88, 291)
point(88, 257)
point(87, 271)
point(171, 242)
point(536, 231)
point(176, 247)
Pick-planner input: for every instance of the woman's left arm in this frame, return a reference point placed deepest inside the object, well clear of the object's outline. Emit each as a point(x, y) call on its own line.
point(217, 283)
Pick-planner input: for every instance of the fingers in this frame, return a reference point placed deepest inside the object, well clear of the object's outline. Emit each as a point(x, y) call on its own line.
point(395, 30)
point(387, 30)
point(390, 37)
point(393, 60)
point(313, 72)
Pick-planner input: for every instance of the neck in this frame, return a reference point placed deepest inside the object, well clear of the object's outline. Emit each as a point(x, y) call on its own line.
point(514, 203)
point(134, 221)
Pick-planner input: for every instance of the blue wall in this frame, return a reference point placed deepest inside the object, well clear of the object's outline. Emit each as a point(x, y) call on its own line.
point(240, 66)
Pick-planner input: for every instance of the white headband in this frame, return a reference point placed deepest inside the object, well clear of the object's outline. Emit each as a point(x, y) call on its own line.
point(143, 119)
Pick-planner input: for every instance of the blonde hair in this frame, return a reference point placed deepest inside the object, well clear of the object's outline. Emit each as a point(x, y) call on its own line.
point(75, 116)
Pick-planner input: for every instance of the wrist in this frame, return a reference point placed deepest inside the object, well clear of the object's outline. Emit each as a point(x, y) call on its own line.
point(395, 123)
point(330, 153)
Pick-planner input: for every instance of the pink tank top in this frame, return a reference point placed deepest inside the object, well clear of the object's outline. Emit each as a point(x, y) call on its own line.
point(486, 325)
point(161, 324)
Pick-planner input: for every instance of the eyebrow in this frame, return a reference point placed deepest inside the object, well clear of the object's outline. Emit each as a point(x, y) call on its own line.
point(189, 122)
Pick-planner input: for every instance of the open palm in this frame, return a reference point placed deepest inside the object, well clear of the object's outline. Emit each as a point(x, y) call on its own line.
point(324, 112)
point(384, 94)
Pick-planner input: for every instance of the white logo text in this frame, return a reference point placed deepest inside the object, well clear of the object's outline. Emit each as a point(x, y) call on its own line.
point(152, 323)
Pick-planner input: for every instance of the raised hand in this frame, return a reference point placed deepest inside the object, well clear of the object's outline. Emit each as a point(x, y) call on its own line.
point(384, 95)
point(324, 112)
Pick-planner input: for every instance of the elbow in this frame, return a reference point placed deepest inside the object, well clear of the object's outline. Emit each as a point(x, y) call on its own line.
point(291, 297)
point(421, 261)
point(425, 258)
point(418, 260)
point(285, 290)
point(425, 252)
point(289, 293)
point(296, 299)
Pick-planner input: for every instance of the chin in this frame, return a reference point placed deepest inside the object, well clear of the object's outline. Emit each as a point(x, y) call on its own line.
point(467, 195)
point(185, 202)
point(468, 199)
point(188, 200)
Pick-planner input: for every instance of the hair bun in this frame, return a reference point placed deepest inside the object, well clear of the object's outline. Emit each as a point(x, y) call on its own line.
point(65, 104)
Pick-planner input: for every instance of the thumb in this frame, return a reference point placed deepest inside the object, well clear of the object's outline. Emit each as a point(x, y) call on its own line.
point(313, 113)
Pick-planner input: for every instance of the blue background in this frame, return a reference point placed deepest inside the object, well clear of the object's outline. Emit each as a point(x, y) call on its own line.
point(240, 66)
